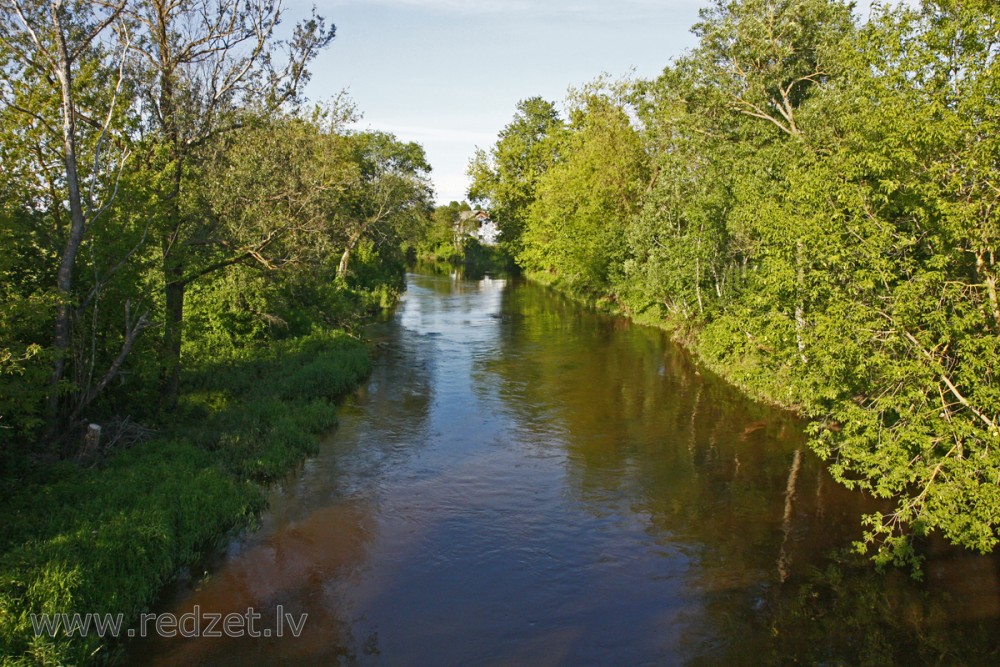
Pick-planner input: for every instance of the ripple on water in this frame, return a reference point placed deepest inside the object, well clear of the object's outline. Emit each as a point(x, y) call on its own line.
point(523, 482)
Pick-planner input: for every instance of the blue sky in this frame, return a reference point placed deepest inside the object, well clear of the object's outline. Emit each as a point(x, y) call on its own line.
point(448, 73)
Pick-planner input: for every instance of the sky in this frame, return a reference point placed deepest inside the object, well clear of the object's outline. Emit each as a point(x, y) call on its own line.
point(448, 73)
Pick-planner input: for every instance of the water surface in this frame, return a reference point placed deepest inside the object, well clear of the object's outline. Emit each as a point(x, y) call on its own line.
point(523, 482)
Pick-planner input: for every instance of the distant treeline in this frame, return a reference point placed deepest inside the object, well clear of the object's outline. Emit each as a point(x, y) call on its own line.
point(811, 199)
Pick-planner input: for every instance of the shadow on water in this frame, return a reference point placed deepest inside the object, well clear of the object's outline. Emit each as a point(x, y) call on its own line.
point(525, 482)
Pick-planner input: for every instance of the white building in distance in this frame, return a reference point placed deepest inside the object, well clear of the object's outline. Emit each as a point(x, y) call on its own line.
point(478, 225)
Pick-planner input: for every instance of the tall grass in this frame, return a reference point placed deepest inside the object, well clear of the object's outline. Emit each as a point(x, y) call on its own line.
point(106, 539)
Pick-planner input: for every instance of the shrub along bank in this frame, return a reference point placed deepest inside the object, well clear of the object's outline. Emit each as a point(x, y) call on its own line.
point(808, 197)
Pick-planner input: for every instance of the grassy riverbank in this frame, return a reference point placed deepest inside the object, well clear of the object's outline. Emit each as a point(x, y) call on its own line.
point(105, 535)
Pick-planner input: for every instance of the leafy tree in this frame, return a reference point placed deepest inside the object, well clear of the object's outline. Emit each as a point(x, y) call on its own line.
point(441, 240)
point(271, 193)
point(921, 425)
point(56, 57)
point(201, 63)
point(505, 178)
point(392, 192)
point(686, 255)
point(764, 57)
point(820, 221)
point(575, 227)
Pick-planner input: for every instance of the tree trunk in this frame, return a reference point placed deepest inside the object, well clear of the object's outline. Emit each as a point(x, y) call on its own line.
point(344, 259)
point(64, 277)
point(697, 285)
point(988, 276)
point(170, 351)
point(171, 245)
point(800, 310)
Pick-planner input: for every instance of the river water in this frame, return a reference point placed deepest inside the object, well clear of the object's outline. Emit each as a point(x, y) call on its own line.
point(524, 482)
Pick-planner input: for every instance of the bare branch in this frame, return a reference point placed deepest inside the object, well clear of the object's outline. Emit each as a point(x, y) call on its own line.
point(34, 36)
point(104, 131)
point(132, 332)
point(116, 11)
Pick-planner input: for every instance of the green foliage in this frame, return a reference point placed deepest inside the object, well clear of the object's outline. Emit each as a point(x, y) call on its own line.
point(575, 226)
point(170, 225)
point(25, 365)
point(504, 179)
point(440, 241)
point(389, 203)
point(766, 58)
point(450, 242)
point(106, 539)
point(240, 407)
point(819, 224)
point(268, 208)
point(479, 260)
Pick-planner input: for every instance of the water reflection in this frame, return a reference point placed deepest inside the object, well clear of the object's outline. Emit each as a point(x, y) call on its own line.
point(524, 482)
point(287, 571)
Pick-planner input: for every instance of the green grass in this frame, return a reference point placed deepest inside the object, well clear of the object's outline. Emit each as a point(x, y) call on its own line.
point(107, 539)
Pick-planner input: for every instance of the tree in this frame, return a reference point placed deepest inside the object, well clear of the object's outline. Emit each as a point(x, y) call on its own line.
point(392, 191)
point(504, 179)
point(765, 56)
point(202, 62)
point(686, 257)
point(53, 54)
point(441, 239)
point(921, 425)
point(860, 196)
point(274, 192)
point(271, 190)
point(576, 226)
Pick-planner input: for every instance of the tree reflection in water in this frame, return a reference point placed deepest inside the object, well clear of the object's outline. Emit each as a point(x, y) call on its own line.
point(526, 482)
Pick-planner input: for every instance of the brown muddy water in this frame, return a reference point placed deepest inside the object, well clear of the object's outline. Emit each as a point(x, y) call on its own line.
point(524, 482)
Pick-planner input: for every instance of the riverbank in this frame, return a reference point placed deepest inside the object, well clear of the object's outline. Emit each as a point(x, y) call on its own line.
point(104, 536)
point(775, 387)
point(524, 480)
point(474, 260)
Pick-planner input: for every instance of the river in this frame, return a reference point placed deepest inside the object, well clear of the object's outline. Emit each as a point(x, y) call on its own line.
point(524, 482)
